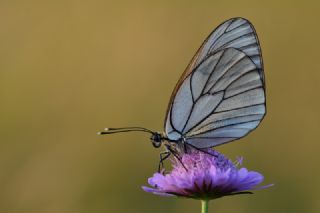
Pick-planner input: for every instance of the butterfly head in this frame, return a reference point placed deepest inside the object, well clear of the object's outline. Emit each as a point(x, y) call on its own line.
point(156, 139)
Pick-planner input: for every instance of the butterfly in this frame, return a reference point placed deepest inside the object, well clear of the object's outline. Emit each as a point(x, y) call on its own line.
point(219, 98)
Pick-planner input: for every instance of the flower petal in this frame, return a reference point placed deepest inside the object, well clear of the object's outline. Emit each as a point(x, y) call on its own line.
point(207, 176)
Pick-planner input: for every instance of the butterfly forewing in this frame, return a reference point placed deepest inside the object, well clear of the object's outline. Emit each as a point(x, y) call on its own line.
point(220, 97)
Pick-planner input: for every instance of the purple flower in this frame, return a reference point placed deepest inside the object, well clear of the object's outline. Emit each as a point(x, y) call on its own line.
point(204, 176)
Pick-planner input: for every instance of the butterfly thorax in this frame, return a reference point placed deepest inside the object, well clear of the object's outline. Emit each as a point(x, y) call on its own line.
point(176, 146)
point(157, 139)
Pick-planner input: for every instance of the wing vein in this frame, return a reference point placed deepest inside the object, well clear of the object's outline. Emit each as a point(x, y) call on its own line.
point(228, 110)
point(217, 39)
point(225, 73)
point(211, 73)
point(242, 36)
point(210, 130)
point(239, 116)
point(254, 88)
point(199, 122)
point(244, 23)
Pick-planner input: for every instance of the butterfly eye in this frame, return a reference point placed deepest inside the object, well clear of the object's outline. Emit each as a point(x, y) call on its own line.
point(156, 140)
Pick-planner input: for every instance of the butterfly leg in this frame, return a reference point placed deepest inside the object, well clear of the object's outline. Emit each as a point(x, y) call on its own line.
point(202, 150)
point(176, 155)
point(185, 146)
point(163, 156)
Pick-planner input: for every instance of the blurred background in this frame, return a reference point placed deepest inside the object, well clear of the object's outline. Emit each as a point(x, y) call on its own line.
point(71, 68)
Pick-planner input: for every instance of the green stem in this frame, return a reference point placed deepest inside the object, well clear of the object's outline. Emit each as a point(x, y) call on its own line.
point(204, 206)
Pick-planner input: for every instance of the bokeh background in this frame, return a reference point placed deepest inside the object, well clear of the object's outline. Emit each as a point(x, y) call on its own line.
point(71, 68)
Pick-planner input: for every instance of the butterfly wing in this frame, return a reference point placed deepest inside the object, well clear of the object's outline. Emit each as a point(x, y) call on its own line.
point(237, 33)
point(220, 97)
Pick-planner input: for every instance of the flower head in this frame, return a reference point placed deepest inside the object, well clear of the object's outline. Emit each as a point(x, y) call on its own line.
point(204, 176)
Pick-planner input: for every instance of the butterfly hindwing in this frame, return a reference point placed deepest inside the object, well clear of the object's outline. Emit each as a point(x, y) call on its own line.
point(221, 100)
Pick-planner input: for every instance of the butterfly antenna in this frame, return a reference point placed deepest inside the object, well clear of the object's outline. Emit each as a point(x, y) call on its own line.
point(124, 129)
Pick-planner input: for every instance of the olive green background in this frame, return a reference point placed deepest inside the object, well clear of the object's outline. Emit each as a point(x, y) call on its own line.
point(71, 68)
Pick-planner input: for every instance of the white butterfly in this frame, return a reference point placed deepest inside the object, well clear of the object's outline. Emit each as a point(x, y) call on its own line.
point(221, 95)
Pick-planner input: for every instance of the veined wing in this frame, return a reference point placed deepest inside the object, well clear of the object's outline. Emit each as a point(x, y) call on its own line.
point(236, 33)
point(222, 100)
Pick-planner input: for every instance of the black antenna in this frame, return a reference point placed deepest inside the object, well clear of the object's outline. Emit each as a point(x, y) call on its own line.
point(124, 129)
